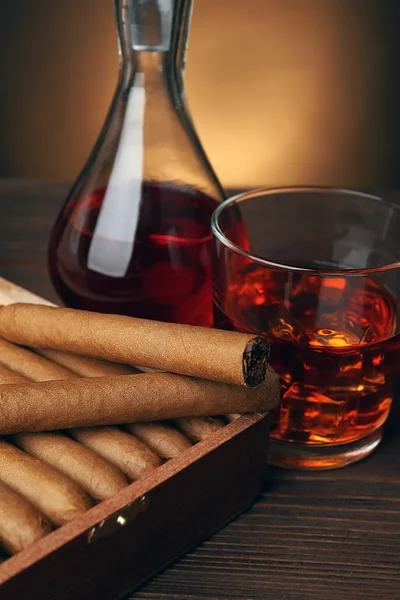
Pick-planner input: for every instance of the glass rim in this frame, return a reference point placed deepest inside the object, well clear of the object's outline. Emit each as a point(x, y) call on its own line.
point(219, 234)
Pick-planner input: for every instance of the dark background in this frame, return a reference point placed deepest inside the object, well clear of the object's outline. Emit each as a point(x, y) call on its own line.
point(281, 91)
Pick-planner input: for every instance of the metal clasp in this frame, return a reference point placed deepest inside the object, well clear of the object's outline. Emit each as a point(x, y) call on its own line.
point(119, 519)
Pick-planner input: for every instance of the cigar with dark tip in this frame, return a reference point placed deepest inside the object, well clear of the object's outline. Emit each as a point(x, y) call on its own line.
point(224, 356)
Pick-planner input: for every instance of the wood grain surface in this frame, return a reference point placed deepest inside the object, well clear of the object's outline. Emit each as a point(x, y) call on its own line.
point(332, 535)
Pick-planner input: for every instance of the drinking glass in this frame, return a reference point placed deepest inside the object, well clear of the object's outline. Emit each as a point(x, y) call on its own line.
point(317, 272)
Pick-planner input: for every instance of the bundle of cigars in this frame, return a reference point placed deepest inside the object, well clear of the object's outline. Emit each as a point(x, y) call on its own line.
point(89, 402)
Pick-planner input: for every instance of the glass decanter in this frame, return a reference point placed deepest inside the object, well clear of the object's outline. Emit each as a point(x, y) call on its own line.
point(134, 234)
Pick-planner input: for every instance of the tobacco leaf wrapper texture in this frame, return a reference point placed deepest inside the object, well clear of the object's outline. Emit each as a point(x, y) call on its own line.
point(29, 365)
point(60, 450)
point(160, 437)
point(84, 366)
point(226, 356)
point(124, 399)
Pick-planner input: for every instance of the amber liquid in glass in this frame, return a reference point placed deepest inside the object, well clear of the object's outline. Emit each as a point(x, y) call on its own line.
point(333, 345)
point(163, 272)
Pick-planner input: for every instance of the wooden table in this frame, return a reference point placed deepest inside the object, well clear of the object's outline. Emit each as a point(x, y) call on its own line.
point(332, 535)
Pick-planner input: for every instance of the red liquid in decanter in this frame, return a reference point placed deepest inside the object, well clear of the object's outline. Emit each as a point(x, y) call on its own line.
point(155, 264)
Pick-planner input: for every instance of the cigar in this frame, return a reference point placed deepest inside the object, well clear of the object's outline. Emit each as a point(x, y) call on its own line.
point(225, 356)
point(120, 448)
point(21, 524)
point(165, 438)
point(124, 399)
point(96, 476)
point(90, 471)
point(83, 365)
point(7, 376)
point(199, 428)
point(54, 494)
point(29, 365)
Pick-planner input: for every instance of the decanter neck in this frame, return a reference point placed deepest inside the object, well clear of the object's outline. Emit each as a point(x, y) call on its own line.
point(152, 38)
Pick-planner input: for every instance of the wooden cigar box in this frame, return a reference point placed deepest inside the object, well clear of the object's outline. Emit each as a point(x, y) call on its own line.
point(122, 542)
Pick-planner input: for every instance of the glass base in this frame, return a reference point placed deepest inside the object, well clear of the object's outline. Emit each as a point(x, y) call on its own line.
point(300, 456)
